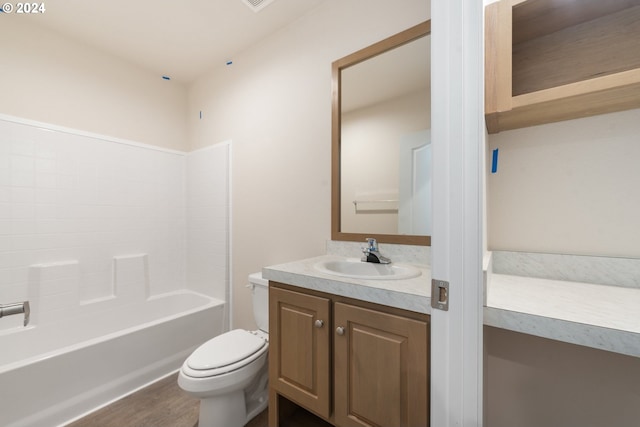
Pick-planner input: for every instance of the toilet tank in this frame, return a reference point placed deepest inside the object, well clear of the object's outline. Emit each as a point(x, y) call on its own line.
point(260, 292)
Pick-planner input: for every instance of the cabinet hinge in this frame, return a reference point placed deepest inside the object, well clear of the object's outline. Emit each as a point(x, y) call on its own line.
point(440, 294)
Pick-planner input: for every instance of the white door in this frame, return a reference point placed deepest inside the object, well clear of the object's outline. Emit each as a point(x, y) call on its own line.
point(414, 196)
point(457, 130)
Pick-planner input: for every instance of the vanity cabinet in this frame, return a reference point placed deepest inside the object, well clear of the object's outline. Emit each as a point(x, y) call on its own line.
point(349, 362)
point(300, 348)
point(554, 60)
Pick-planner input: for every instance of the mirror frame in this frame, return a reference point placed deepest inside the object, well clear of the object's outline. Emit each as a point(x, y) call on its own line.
point(409, 35)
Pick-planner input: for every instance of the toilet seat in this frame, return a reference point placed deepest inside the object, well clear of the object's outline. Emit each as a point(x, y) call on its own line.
point(225, 353)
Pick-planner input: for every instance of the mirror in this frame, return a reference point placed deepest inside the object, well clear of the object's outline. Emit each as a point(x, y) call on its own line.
point(381, 141)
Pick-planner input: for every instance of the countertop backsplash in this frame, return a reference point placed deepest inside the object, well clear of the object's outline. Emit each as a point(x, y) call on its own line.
point(409, 254)
point(599, 270)
point(610, 271)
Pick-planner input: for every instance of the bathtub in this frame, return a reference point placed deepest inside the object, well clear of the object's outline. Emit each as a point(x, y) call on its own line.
point(51, 374)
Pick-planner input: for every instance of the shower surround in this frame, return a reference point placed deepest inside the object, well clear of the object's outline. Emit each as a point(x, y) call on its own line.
point(92, 226)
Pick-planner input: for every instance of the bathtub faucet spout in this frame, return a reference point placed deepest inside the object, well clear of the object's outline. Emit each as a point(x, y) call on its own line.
point(16, 308)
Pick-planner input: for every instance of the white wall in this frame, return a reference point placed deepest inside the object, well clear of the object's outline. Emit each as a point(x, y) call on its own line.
point(112, 213)
point(208, 206)
point(569, 187)
point(111, 220)
point(53, 79)
point(275, 103)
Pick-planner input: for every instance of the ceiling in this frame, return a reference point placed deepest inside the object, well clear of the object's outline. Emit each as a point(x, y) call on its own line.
point(181, 39)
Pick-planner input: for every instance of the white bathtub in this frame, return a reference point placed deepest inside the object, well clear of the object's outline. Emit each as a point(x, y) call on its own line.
point(53, 373)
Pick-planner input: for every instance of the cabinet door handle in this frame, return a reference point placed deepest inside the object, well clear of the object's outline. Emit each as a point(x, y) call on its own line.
point(340, 330)
point(319, 323)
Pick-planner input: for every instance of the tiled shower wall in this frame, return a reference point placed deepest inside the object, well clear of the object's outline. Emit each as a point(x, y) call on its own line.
point(114, 212)
point(208, 204)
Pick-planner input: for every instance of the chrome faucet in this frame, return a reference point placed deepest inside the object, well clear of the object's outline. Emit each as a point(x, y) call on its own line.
point(371, 254)
point(16, 308)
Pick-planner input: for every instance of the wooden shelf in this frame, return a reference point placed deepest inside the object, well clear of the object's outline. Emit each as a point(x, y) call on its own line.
point(554, 60)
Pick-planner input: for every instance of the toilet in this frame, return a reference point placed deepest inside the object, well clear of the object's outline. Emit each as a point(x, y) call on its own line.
point(229, 373)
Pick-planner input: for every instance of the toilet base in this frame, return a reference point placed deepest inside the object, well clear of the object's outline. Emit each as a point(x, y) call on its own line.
point(229, 411)
point(237, 408)
point(223, 411)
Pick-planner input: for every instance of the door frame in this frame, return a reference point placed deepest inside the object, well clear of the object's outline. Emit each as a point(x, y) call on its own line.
point(458, 134)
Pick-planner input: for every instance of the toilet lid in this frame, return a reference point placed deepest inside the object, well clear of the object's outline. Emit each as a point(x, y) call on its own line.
point(225, 349)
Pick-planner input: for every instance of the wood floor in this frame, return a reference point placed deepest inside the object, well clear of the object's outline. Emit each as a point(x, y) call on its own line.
point(162, 404)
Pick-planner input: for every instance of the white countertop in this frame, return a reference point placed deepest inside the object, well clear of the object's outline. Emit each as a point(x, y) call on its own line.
point(599, 316)
point(409, 294)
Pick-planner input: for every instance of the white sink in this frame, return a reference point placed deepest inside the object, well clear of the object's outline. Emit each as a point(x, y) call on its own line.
point(367, 270)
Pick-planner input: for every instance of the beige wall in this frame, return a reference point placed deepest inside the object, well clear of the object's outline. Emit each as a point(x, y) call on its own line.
point(568, 187)
point(274, 102)
point(50, 78)
point(535, 382)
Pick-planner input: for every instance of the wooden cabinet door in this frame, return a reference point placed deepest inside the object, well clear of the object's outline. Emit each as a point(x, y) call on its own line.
point(299, 349)
point(380, 368)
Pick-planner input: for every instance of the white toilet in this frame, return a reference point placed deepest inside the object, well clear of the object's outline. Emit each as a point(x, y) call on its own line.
point(229, 373)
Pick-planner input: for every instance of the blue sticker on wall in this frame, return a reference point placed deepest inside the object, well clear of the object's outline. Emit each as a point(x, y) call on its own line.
point(494, 161)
